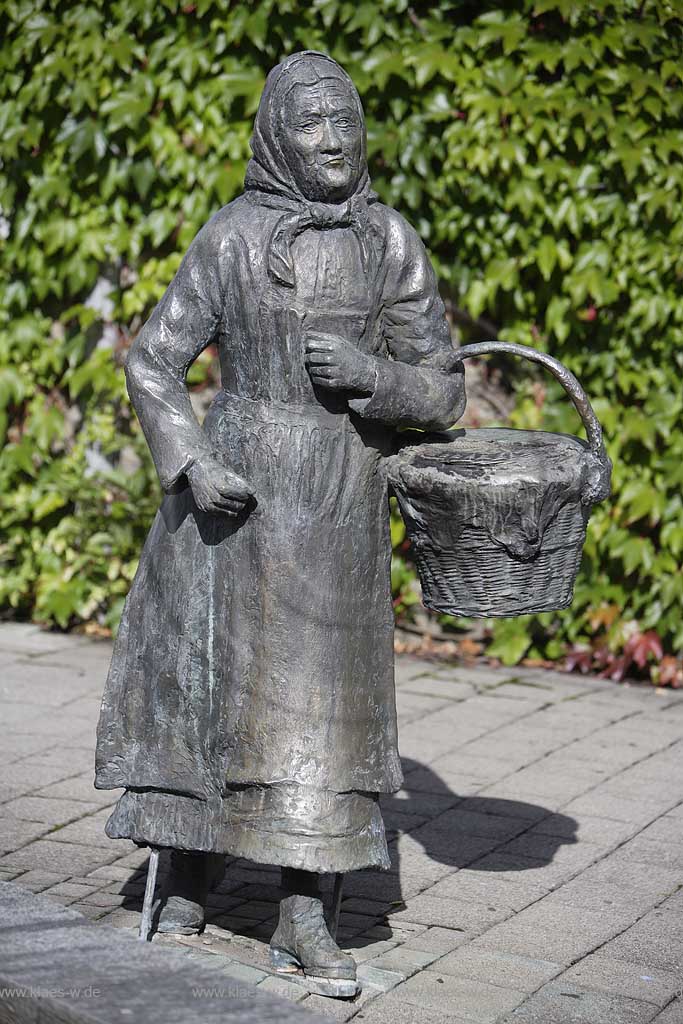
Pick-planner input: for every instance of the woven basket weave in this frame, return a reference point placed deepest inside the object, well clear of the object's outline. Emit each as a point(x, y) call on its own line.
point(497, 518)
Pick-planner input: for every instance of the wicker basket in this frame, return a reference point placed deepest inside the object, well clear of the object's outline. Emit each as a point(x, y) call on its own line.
point(497, 518)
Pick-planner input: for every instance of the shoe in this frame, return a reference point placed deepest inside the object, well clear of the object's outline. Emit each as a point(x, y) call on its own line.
point(191, 877)
point(302, 943)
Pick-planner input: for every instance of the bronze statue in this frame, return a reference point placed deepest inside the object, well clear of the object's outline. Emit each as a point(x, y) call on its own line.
point(250, 706)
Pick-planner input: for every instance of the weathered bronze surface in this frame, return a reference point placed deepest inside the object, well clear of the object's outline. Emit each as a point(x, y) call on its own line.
point(497, 517)
point(250, 704)
point(250, 707)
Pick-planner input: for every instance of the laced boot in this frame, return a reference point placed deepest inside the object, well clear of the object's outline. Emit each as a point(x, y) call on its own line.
point(302, 944)
point(191, 877)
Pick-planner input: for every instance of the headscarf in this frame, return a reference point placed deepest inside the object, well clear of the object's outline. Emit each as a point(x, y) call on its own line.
point(269, 178)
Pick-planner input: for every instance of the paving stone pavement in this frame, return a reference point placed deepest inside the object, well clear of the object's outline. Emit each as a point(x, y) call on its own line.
point(537, 854)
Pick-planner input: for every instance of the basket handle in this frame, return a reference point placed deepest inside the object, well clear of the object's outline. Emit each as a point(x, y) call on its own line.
point(559, 372)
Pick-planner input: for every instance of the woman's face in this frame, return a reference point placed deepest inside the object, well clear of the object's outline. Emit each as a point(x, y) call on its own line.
point(322, 140)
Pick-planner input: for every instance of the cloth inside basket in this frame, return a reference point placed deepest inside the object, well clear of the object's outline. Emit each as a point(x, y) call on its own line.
point(509, 483)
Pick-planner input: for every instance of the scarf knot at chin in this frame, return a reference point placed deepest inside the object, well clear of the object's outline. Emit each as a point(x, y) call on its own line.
point(324, 215)
point(319, 216)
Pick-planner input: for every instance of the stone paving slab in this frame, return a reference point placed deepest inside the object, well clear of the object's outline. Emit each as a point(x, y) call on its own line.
point(536, 876)
point(55, 966)
point(563, 1003)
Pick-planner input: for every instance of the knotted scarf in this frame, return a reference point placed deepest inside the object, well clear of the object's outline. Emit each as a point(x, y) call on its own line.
point(270, 181)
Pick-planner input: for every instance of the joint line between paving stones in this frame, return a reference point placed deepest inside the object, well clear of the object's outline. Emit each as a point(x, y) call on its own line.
point(520, 718)
point(532, 824)
point(517, 718)
point(52, 829)
point(599, 945)
point(529, 764)
point(570, 878)
point(55, 748)
point(550, 814)
point(608, 852)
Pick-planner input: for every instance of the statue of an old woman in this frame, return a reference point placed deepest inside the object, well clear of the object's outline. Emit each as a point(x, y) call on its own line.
point(250, 707)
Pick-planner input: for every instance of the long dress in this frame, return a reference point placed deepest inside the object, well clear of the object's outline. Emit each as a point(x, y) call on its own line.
point(250, 704)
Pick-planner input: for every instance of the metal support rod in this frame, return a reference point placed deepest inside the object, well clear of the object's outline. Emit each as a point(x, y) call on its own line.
point(336, 902)
point(146, 919)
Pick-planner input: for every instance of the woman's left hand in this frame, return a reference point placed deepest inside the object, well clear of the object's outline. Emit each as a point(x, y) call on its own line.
point(334, 363)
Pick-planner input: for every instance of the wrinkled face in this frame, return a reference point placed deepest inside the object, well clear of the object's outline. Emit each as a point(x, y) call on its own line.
point(322, 139)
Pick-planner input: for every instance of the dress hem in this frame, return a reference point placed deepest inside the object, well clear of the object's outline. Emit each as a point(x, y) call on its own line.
point(297, 827)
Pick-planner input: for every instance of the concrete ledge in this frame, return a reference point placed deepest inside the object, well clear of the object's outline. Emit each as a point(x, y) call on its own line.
point(55, 965)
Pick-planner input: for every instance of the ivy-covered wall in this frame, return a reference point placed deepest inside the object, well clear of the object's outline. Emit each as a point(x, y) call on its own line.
point(536, 146)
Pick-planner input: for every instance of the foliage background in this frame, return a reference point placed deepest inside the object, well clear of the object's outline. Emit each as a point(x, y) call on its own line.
point(535, 145)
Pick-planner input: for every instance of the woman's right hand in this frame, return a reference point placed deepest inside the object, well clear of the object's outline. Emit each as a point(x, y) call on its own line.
point(216, 488)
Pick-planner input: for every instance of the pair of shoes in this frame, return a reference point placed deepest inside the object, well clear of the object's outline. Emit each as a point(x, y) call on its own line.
point(191, 877)
point(302, 943)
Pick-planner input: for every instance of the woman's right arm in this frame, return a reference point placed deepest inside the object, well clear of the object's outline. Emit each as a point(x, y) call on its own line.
point(184, 322)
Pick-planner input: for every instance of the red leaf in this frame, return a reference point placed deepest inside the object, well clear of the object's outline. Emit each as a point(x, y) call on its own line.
point(617, 668)
point(579, 658)
point(670, 672)
point(641, 645)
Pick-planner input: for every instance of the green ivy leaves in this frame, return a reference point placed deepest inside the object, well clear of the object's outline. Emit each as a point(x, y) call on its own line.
point(534, 144)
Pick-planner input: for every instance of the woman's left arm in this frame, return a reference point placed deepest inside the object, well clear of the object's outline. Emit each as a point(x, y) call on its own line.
point(422, 384)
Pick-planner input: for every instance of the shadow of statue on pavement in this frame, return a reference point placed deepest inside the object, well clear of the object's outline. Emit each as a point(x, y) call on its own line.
point(432, 832)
